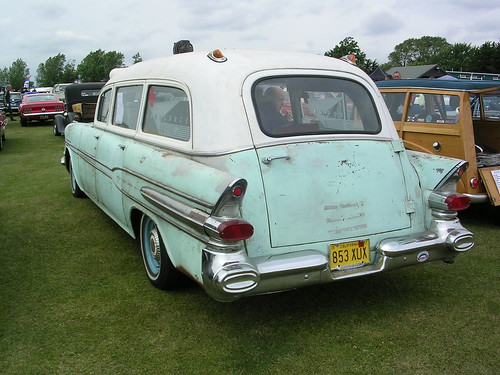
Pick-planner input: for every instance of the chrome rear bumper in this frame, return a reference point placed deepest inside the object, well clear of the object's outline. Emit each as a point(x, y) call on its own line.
point(229, 276)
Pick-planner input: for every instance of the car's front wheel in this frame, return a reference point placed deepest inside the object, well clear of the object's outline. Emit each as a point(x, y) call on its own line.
point(23, 121)
point(159, 268)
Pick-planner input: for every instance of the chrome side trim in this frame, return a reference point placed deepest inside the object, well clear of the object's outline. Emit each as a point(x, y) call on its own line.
point(204, 224)
point(188, 214)
point(478, 198)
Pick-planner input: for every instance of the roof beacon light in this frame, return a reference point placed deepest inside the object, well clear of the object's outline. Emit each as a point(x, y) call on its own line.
point(351, 59)
point(217, 56)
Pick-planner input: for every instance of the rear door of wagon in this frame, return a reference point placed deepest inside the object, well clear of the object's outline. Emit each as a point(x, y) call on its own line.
point(329, 174)
point(320, 191)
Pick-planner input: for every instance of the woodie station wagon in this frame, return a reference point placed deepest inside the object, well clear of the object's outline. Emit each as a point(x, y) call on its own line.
point(255, 172)
point(456, 118)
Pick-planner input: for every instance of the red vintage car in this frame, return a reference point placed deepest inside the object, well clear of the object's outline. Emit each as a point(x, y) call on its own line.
point(39, 107)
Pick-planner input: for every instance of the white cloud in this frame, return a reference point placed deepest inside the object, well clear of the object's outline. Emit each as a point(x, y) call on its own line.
point(150, 27)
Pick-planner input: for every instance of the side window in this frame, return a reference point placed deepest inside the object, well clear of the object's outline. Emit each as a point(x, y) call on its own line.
point(434, 108)
point(127, 103)
point(395, 102)
point(491, 104)
point(167, 113)
point(104, 103)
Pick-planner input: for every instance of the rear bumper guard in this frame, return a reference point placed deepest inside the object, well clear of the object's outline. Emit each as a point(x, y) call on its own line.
point(229, 276)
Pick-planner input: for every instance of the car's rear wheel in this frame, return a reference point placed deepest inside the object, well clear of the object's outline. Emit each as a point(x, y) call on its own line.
point(159, 268)
point(75, 188)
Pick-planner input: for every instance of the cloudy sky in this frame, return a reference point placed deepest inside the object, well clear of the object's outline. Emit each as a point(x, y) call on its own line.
point(35, 30)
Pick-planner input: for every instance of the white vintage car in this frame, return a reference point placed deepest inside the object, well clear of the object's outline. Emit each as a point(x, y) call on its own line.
point(255, 172)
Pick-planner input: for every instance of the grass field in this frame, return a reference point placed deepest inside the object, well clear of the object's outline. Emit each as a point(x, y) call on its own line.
point(74, 299)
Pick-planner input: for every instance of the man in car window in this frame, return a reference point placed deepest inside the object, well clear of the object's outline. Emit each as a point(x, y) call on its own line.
point(270, 109)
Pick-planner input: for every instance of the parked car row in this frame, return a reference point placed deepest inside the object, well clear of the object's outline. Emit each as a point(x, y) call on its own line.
point(217, 183)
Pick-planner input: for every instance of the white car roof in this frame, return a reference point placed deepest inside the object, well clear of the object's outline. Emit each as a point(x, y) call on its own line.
point(216, 127)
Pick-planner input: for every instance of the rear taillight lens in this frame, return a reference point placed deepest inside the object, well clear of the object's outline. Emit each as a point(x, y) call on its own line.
point(235, 230)
point(448, 201)
point(474, 183)
point(457, 202)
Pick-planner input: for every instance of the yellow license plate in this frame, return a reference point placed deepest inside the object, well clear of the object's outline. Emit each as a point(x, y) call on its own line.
point(349, 253)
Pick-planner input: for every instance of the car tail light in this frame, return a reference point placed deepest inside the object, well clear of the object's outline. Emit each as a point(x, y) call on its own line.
point(444, 200)
point(238, 191)
point(235, 230)
point(448, 201)
point(457, 202)
point(474, 183)
point(225, 222)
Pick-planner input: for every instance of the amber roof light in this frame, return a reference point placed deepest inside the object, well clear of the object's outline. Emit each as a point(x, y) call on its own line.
point(217, 56)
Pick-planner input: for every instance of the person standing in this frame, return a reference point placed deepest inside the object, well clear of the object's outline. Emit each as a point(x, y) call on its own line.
point(6, 101)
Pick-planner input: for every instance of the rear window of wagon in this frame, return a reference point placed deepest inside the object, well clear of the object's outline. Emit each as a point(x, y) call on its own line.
point(296, 105)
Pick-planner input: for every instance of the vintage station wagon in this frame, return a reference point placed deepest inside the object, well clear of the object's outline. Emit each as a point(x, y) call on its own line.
point(456, 118)
point(194, 155)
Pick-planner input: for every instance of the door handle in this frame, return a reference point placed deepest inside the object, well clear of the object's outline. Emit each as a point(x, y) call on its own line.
point(269, 159)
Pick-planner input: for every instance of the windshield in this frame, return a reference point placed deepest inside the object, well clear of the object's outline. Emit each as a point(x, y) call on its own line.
point(289, 106)
point(40, 98)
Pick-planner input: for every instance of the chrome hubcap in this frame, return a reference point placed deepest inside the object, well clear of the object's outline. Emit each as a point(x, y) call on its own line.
point(154, 244)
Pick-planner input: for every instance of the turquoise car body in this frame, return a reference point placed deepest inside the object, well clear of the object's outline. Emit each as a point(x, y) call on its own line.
point(213, 193)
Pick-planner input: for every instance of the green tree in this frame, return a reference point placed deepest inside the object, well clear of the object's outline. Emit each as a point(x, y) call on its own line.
point(69, 73)
point(56, 70)
point(487, 58)
point(349, 46)
point(17, 73)
point(418, 51)
point(457, 57)
point(137, 58)
point(4, 76)
point(95, 67)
